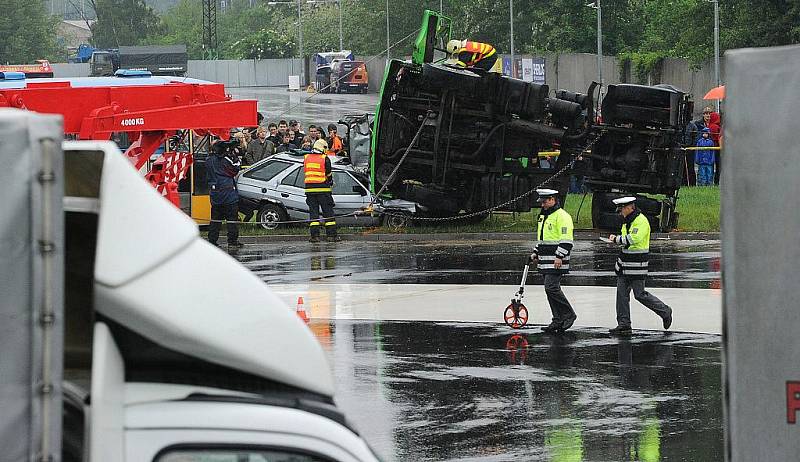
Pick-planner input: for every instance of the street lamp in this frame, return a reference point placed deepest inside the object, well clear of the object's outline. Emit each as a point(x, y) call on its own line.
point(716, 44)
point(596, 5)
point(299, 34)
point(339, 3)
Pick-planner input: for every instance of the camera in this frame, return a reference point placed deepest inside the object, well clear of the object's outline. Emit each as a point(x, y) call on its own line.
point(222, 147)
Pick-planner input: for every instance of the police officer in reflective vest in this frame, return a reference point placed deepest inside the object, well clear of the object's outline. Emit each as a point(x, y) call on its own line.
point(466, 53)
point(318, 184)
point(631, 267)
point(552, 253)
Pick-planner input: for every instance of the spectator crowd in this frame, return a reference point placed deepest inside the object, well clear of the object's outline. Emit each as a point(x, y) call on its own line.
point(260, 142)
point(703, 165)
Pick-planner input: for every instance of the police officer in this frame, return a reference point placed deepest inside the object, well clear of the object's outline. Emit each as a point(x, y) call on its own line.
point(631, 267)
point(552, 254)
point(221, 170)
point(318, 183)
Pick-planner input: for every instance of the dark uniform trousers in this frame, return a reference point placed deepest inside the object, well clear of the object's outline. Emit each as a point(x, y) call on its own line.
point(229, 212)
point(559, 305)
point(323, 200)
point(624, 286)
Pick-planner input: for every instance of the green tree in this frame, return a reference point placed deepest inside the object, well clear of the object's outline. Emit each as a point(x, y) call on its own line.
point(27, 32)
point(263, 44)
point(181, 25)
point(123, 22)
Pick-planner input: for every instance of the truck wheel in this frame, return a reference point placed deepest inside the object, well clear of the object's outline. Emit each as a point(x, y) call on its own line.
point(270, 215)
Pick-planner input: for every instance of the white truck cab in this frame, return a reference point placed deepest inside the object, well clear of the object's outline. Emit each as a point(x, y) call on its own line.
point(173, 350)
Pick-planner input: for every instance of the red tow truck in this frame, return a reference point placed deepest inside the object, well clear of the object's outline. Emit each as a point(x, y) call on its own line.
point(151, 112)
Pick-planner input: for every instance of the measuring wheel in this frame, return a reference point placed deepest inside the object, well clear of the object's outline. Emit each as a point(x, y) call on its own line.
point(516, 315)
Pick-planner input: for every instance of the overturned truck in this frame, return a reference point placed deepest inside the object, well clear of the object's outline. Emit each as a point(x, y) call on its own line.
point(463, 141)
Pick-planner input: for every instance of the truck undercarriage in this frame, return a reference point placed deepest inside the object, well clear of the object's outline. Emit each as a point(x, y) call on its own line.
point(485, 137)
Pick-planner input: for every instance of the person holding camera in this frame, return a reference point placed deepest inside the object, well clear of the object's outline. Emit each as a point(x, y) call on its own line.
point(221, 170)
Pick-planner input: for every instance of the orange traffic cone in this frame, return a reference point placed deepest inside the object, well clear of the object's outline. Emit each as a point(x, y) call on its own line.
point(301, 310)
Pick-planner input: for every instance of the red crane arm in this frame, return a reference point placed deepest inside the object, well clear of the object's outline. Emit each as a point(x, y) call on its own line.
point(149, 109)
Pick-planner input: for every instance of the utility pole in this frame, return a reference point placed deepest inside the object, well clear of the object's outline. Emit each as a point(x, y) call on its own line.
point(716, 46)
point(596, 5)
point(387, 31)
point(600, 43)
point(341, 37)
point(300, 40)
point(511, 20)
point(210, 43)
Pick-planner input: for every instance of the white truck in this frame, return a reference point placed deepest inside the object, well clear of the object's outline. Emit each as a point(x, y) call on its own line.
point(172, 351)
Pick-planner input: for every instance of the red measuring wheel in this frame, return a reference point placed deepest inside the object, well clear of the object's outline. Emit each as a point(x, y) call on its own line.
point(516, 315)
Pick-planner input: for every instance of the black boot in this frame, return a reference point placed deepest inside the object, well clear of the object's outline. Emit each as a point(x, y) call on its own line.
point(621, 331)
point(553, 328)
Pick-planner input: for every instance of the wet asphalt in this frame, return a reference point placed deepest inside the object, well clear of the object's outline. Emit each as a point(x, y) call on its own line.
point(422, 391)
point(457, 391)
point(682, 264)
point(277, 103)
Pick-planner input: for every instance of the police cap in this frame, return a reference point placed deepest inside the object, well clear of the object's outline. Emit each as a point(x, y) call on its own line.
point(545, 193)
point(622, 201)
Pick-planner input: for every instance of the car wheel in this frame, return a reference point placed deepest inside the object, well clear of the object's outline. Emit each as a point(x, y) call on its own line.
point(270, 216)
point(397, 219)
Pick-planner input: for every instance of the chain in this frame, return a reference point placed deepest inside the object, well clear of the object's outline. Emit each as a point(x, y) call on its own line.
point(575, 158)
point(570, 164)
point(428, 115)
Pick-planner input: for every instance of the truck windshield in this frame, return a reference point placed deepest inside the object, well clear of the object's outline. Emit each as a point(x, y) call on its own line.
point(104, 58)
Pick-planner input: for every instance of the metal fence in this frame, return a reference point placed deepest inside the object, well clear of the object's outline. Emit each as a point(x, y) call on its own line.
point(569, 71)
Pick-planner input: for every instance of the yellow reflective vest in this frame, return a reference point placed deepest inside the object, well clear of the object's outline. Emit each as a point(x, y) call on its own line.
point(635, 241)
point(555, 240)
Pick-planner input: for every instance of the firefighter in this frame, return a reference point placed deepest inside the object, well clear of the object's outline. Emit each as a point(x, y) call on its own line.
point(552, 254)
point(465, 53)
point(221, 170)
point(318, 183)
point(631, 267)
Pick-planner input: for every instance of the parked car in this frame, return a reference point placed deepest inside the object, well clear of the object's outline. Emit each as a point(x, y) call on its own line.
point(276, 184)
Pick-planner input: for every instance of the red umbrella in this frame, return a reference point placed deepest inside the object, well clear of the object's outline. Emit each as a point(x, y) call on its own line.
point(716, 93)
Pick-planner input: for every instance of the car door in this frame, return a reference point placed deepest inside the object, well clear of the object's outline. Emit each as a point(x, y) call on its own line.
point(349, 196)
point(291, 193)
point(260, 181)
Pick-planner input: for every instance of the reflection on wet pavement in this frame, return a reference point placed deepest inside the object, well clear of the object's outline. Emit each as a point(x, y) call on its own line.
point(457, 391)
point(684, 264)
point(277, 103)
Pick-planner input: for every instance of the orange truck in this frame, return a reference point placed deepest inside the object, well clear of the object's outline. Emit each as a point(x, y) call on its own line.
point(349, 76)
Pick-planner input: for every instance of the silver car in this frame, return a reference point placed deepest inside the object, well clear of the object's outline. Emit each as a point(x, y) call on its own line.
point(277, 183)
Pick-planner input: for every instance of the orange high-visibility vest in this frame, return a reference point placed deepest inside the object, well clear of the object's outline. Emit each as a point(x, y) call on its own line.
point(336, 144)
point(477, 50)
point(314, 169)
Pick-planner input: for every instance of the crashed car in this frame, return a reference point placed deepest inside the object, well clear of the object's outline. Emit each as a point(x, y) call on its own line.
point(465, 140)
point(275, 186)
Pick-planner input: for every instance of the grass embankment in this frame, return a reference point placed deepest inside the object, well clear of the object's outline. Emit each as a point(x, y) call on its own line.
point(698, 207)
